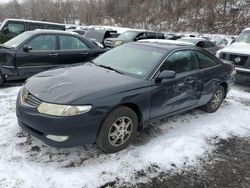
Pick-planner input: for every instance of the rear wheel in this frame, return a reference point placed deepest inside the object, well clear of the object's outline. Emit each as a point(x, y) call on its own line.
point(117, 130)
point(214, 104)
point(2, 79)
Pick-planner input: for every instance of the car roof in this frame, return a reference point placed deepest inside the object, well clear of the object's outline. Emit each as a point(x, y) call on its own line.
point(142, 30)
point(247, 29)
point(168, 42)
point(194, 39)
point(32, 21)
point(169, 47)
point(42, 31)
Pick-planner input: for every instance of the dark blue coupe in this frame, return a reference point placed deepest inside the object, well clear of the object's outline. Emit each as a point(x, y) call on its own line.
point(107, 100)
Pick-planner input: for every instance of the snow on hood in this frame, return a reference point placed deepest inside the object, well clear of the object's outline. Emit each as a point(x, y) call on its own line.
point(237, 47)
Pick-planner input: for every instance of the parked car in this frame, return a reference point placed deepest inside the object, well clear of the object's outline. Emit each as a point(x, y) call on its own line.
point(79, 31)
point(173, 36)
point(202, 43)
point(98, 35)
point(107, 100)
point(10, 28)
point(130, 36)
point(168, 42)
point(35, 51)
point(239, 54)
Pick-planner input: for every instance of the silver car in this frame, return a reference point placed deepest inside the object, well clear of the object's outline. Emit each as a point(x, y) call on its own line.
point(201, 42)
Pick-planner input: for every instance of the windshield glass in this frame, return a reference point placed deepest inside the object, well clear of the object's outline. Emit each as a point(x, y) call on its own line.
point(131, 59)
point(13, 43)
point(244, 37)
point(129, 35)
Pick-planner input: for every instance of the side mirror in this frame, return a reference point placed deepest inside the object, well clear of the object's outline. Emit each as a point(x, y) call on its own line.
point(166, 74)
point(27, 48)
point(6, 30)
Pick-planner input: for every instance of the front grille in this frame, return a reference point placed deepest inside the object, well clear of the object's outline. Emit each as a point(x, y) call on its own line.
point(223, 56)
point(30, 99)
point(238, 59)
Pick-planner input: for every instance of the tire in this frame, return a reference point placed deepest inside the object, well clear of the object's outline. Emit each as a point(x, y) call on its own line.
point(2, 79)
point(215, 102)
point(118, 130)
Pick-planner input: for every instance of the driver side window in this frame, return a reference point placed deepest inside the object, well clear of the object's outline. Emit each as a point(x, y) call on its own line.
point(180, 62)
point(43, 43)
point(15, 28)
point(141, 36)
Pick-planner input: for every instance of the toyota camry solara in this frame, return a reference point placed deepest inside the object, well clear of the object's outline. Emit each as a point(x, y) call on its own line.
point(107, 100)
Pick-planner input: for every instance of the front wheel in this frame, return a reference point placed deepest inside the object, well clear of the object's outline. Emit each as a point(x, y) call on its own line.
point(117, 130)
point(215, 102)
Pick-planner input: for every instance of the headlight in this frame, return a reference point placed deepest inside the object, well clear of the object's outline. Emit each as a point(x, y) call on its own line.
point(117, 43)
point(62, 110)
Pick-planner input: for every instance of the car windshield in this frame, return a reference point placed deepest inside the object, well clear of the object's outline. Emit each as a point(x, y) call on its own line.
point(244, 37)
point(129, 35)
point(131, 59)
point(15, 42)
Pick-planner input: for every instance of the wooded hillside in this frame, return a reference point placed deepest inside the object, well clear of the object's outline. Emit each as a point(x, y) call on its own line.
point(213, 16)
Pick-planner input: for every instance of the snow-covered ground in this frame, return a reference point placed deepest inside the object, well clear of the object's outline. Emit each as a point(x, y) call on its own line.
point(177, 143)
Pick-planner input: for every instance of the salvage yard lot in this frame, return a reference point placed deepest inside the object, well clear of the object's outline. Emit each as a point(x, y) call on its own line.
point(175, 144)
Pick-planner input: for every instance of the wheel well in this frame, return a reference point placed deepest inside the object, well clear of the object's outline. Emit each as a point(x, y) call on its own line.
point(138, 112)
point(225, 86)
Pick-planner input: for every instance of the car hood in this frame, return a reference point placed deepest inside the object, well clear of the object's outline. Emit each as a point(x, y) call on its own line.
point(65, 85)
point(237, 47)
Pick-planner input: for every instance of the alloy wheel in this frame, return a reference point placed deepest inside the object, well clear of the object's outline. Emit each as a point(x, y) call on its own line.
point(217, 98)
point(120, 131)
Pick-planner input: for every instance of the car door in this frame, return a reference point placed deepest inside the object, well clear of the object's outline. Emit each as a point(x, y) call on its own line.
point(42, 55)
point(181, 92)
point(73, 50)
point(210, 73)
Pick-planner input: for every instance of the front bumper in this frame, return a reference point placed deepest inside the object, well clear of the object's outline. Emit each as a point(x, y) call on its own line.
point(81, 129)
point(242, 75)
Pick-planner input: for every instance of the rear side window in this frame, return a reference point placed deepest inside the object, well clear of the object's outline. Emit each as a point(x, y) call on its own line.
point(16, 28)
point(43, 43)
point(160, 36)
point(181, 61)
point(205, 61)
point(71, 43)
point(201, 44)
point(208, 44)
point(55, 27)
point(151, 36)
point(34, 26)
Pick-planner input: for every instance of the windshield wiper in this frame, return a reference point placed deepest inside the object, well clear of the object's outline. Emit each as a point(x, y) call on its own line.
point(106, 67)
point(110, 68)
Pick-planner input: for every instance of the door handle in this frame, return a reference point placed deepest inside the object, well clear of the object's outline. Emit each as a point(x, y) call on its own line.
point(53, 54)
point(85, 53)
